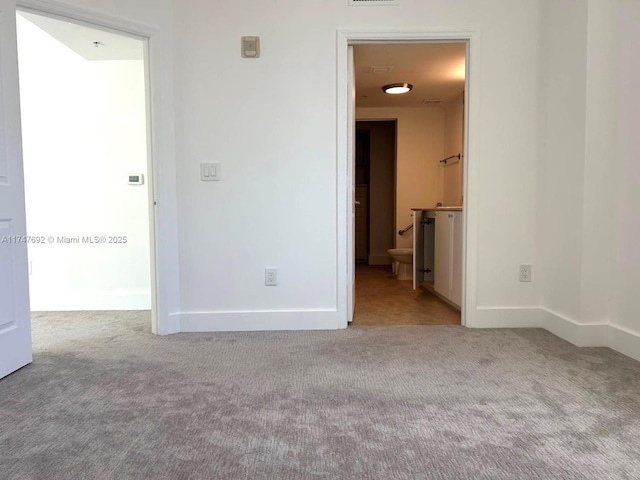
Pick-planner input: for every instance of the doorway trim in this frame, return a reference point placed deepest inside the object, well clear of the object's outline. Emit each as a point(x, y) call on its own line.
point(163, 238)
point(345, 263)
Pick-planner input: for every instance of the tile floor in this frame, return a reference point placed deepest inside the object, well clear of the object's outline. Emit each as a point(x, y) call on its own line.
point(383, 300)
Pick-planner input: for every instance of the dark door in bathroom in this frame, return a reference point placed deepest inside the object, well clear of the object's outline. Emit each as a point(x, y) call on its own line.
point(363, 142)
point(375, 190)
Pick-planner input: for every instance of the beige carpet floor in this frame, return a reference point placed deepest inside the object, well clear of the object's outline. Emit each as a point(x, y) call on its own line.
point(105, 399)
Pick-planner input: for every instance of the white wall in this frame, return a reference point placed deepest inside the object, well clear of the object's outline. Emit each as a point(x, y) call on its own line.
point(535, 174)
point(625, 272)
point(272, 124)
point(84, 131)
point(561, 166)
point(589, 178)
point(420, 140)
point(453, 145)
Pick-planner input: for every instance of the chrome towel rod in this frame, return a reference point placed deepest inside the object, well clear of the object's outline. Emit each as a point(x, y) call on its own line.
point(405, 230)
point(458, 156)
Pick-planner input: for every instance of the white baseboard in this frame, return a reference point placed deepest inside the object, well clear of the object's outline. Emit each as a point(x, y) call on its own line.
point(91, 301)
point(618, 338)
point(624, 341)
point(504, 317)
point(380, 259)
point(260, 321)
point(580, 334)
point(615, 337)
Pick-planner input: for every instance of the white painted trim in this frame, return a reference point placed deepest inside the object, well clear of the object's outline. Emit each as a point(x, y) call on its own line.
point(92, 301)
point(258, 320)
point(162, 163)
point(380, 259)
point(579, 334)
point(506, 317)
point(343, 184)
point(471, 172)
point(94, 19)
point(616, 337)
point(624, 341)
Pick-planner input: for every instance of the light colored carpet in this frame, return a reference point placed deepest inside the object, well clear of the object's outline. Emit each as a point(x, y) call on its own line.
point(105, 399)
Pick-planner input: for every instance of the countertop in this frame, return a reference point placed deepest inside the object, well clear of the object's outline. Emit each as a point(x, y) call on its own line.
point(443, 209)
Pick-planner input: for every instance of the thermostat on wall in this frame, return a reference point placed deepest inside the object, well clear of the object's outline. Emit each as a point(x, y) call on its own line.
point(251, 47)
point(136, 179)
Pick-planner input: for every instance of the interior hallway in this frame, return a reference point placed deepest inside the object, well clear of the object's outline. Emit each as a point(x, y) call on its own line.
point(382, 300)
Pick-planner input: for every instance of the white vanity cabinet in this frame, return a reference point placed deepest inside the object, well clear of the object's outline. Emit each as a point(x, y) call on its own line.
point(437, 252)
point(448, 255)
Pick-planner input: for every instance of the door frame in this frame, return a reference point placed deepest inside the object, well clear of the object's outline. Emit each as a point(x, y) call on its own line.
point(345, 262)
point(163, 240)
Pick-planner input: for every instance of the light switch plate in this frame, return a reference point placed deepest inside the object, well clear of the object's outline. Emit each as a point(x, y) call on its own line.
point(210, 172)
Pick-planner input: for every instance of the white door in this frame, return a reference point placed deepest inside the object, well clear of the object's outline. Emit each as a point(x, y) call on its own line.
point(351, 176)
point(15, 324)
point(456, 259)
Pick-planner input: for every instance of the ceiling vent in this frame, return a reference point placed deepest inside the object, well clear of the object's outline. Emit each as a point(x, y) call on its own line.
point(380, 69)
point(353, 3)
point(432, 101)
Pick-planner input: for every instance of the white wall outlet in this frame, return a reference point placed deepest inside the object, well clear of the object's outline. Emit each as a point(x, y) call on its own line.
point(271, 277)
point(525, 273)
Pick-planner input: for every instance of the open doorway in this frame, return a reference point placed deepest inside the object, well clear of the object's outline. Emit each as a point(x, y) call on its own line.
point(419, 280)
point(88, 184)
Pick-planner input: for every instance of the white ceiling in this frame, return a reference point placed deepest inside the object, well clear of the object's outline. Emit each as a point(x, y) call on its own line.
point(436, 71)
point(80, 38)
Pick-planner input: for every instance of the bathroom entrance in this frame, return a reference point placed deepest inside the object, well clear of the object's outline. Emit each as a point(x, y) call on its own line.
point(409, 144)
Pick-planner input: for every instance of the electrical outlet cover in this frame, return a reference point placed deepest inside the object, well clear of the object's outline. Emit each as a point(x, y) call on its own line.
point(271, 277)
point(525, 273)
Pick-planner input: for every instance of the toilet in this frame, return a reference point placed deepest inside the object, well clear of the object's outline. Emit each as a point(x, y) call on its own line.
point(402, 262)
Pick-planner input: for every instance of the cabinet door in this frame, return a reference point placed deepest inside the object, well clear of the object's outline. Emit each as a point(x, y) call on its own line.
point(418, 249)
point(456, 258)
point(442, 270)
point(429, 251)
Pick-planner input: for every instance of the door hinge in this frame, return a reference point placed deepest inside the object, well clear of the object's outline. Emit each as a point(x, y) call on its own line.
point(426, 270)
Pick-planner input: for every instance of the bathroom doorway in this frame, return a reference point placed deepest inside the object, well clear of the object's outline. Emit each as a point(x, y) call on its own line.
point(428, 125)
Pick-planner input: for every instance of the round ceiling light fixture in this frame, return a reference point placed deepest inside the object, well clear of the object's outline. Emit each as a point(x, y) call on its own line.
point(397, 88)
